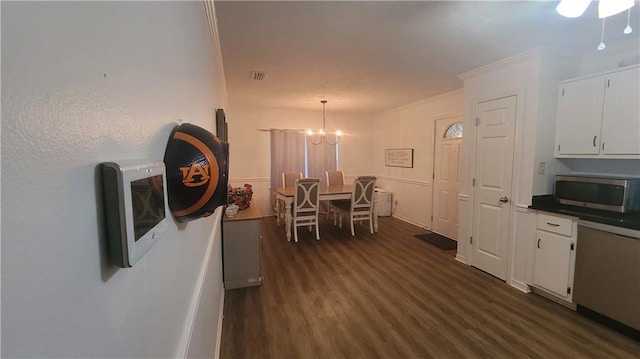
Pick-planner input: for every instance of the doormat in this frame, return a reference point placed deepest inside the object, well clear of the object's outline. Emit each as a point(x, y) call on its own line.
point(439, 241)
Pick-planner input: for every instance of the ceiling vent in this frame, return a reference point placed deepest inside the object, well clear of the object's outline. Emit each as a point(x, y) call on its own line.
point(258, 76)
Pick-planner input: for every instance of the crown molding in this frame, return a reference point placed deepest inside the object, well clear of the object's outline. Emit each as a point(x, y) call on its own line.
point(521, 57)
point(426, 101)
point(215, 39)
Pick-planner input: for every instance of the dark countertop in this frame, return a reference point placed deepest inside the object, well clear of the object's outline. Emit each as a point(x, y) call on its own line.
point(548, 204)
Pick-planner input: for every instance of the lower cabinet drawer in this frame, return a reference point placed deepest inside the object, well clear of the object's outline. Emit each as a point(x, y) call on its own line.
point(555, 224)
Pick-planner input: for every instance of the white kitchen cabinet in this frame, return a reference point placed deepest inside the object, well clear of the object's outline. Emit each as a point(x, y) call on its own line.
point(621, 119)
point(555, 255)
point(599, 116)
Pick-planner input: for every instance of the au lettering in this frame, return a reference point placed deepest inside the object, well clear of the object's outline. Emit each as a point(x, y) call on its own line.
point(195, 175)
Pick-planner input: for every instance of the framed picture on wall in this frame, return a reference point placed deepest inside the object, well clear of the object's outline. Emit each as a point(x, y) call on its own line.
point(398, 157)
point(221, 125)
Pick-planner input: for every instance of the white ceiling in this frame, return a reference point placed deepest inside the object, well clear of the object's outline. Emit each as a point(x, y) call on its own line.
point(371, 56)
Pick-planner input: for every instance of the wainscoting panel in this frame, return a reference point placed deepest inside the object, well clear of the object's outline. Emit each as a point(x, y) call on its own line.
point(203, 329)
point(463, 237)
point(412, 199)
point(522, 254)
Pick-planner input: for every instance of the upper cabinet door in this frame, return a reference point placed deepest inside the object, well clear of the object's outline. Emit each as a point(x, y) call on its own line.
point(580, 116)
point(621, 120)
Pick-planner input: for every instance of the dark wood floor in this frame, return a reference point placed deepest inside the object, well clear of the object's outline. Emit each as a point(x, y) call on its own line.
point(390, 295)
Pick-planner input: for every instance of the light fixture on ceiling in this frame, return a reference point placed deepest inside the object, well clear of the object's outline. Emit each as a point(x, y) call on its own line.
point(628, 29)
point(322, 136)
point(572, 8)
point(606, 8)
point(601, 45)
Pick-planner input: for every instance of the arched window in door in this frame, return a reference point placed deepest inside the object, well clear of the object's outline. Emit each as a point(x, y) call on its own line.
point(454, 131)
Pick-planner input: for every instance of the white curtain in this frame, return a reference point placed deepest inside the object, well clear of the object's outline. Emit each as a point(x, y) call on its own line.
point(290, 152)
point(287, 155)
point(321, 158)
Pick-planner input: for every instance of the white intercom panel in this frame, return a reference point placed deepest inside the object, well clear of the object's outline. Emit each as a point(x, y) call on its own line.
point(135, 197)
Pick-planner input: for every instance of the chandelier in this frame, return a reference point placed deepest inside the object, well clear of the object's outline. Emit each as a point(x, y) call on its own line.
point(606, 8)
point(322, 136)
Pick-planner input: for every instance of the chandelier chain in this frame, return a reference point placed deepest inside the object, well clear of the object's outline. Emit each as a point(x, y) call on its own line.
point(322, 135)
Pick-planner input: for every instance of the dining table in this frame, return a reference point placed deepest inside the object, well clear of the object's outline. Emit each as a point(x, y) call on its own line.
point(326, 193)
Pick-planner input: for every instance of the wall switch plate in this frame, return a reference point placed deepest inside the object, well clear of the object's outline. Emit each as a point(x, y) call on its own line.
point(541, 167)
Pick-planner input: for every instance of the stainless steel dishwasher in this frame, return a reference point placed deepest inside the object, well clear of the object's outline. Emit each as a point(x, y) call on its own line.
point(607, 272)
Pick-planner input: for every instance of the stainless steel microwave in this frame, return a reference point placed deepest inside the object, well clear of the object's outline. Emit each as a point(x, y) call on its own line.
point(607, 193)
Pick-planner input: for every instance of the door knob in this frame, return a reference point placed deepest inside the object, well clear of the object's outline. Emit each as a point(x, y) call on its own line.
point(504, 199)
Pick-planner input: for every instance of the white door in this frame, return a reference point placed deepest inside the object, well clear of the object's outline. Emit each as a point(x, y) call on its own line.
point(446, 176)
point(493, 176)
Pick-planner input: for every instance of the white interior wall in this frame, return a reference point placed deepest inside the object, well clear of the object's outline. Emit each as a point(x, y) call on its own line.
point(516, 76)
point(513, 76)
point(361, 150)
point(552, 68)
point(533, 77)
point(249, 148)
point(84, 83)
point(412, 126)
point(521, 76)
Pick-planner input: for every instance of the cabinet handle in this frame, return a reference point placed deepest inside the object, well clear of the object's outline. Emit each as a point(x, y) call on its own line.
point(594, 141)
point(538, 242)
point(553, 224)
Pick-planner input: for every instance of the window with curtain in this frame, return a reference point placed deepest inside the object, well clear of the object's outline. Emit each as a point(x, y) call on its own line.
point(287, 155)
point(291, 152)
point(321, 158)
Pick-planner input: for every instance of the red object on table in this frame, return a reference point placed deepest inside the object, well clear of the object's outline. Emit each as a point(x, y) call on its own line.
point(240, 196)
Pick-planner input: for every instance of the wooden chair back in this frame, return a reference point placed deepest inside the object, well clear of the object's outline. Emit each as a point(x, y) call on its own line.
point(306, 196)
point(305, 205)
point(334, 178)
point(289, 178)
point(363, 190)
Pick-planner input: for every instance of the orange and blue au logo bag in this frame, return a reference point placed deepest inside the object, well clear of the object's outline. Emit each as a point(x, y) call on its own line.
point(197, 163)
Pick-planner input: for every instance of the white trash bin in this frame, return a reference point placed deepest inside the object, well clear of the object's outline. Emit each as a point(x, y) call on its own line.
point(383, 201)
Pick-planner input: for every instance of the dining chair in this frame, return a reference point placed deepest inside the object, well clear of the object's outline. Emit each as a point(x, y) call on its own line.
point(288, 180)
point(305, 205)
point(360, 207)
point(335, 178)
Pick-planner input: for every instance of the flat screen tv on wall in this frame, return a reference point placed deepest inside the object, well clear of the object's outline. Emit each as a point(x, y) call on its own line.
point(221, 125)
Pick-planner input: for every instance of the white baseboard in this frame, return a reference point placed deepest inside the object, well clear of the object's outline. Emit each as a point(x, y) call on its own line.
point(410, 221)
point(544, 293)
point(462, 259)
point(521, 286)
